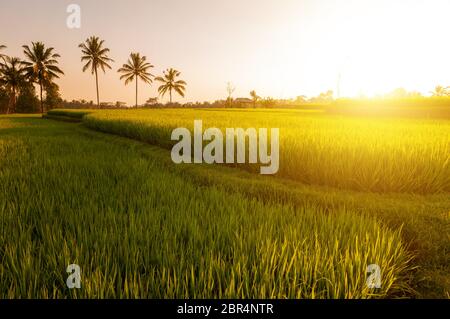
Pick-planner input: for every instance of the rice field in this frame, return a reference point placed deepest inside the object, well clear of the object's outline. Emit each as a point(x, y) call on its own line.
point(364, 154)
point(350, 192)
point(69, 195)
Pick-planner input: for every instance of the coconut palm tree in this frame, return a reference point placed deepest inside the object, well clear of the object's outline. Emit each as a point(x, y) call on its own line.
point(12, 76)
point(170, 83)
point(2, 56)
point(95, 56)
point(41, 66)
point(136, 68)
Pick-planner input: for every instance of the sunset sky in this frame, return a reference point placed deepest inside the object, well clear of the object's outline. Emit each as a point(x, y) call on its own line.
point(280, 48)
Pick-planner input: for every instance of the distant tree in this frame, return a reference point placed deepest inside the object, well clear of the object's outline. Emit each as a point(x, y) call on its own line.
point(415, 94)
point(4, 100)
point(324, 97)
point(52, 95)
point(219, 103)
point(27, 102)
point(120, 104)
point(398, 93)
point(151, 101)
point(440, 91)
point(268, 102)
point(255, 97)
point(301, 99)
point(328, 96)
point(41, 66)
point(230, 90)
point(171, 84)
point(2, 56)
point(136, 68)
point(95, 56)
point(12, 77)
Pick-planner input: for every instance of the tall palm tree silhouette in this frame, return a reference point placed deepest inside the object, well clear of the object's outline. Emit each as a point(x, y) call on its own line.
point(41, 66)
point(136, 68)
point(95, 56)
point(170, 84)
point(2, 56)
point(12, 76)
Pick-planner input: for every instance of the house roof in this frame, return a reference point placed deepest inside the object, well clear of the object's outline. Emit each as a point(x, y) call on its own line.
point(243, 99)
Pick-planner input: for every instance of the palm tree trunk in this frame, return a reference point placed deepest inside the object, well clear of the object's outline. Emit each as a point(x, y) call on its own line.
point(14, 101)
point(96, 84)
point(170, 92)
point(136, 91)
point(42, 103)
point(10, 102)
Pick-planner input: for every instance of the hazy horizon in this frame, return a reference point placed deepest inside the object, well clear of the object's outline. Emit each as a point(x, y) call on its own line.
point(279, 50)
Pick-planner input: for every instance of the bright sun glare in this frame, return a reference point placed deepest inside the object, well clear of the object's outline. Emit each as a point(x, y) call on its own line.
point(361, 48)
point(281, 49)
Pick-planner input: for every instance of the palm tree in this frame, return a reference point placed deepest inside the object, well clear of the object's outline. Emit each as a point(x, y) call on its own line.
point(12, 76)
point(170, 84)
point(136, 68)
point(440, 91)
point(95, 56)
point(255, 97)
point(41, 66)
point(2, 56)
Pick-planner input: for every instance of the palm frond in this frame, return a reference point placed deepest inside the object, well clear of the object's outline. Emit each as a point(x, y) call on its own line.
point(138, 67)
point(170, 83)
point(92, 49)
point(42, 62)
point(179, 90)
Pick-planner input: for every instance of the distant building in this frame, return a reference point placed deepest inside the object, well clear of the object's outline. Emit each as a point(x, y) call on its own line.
point(107, 105)
point(120, 104)
point(243, 102)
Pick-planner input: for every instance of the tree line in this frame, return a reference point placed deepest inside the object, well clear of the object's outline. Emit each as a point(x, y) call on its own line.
point(18, 77)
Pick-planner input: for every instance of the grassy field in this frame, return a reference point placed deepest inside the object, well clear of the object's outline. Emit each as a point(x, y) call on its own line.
point(140, 226)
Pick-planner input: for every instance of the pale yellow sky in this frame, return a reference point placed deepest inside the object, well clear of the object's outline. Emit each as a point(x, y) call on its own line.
point(281, 48)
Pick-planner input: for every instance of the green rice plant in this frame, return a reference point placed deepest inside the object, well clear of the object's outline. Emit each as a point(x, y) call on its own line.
point(364, 154)
point(140, 229)
point(75, 113)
